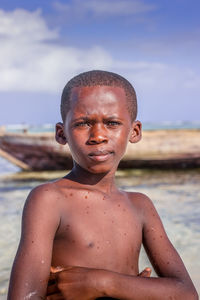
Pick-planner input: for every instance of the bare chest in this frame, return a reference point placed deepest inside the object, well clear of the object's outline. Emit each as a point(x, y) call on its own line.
point(99, 235)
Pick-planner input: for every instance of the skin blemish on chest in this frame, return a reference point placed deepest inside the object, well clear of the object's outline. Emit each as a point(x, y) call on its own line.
point(71, 194)
point(86, 197)
point(127, 261)
point(87, 210)
point(67, 227)
point(91, 245)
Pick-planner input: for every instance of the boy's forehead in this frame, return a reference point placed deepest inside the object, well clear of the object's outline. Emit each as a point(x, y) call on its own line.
point(104, 100)
point(97, 92)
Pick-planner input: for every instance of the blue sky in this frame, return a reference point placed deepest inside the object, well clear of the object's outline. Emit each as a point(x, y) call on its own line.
point(154, 44)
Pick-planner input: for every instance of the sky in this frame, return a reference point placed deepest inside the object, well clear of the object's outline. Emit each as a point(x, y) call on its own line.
point(154, 44)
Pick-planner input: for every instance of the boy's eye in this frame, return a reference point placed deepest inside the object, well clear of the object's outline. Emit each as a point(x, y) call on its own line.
point(81, 124)
point(113, 123)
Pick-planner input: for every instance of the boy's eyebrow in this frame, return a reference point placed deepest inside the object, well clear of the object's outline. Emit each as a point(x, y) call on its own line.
point(92, 119)
point(89, 118)
point(81, 119)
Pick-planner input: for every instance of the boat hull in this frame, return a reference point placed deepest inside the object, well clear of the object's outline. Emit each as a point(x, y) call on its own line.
point(158, 149)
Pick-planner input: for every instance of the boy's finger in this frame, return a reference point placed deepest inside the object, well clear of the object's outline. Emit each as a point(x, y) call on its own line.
point(60, 269)
point(56, 269)
point(54, 272)
point(145, 273)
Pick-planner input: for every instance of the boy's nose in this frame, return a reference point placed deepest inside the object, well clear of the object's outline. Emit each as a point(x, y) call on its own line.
point(97, 135)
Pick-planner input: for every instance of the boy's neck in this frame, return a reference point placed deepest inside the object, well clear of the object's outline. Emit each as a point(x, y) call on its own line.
point(104, 182)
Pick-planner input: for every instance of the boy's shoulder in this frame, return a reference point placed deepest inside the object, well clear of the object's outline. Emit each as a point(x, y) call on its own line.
point(145, 208)
point(45, 189)
point(138, 198)
point(46, 197)
point(141, 202)
point(48, 192)
point(55, 186)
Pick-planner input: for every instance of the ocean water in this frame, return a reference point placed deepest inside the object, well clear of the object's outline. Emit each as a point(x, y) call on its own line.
point(176, 195)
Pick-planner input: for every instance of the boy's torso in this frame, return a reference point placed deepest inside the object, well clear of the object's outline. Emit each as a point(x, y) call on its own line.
point(97, 230)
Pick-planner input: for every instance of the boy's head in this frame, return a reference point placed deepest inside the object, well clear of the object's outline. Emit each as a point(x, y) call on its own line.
point(98, 110)
point(99, 78)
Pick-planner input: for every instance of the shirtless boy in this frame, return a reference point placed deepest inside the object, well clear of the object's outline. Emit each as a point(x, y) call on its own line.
point(83, 223)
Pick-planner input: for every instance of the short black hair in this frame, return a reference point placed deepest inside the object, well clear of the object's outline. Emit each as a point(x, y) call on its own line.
point(99, 78)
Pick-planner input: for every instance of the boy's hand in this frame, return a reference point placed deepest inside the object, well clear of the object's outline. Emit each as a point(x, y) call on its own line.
point(76, 283)
point(145, 273)
point(73, 283)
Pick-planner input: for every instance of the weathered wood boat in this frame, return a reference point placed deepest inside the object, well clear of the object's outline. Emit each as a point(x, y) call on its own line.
point(157, 149)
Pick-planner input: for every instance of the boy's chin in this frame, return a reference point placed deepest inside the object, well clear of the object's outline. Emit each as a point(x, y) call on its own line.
point(100, 169)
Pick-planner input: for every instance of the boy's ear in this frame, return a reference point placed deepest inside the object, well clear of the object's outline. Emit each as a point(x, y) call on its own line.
point(136, 133)
point(60, 136)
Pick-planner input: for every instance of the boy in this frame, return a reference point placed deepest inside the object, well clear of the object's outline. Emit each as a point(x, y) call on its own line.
point(82, 224)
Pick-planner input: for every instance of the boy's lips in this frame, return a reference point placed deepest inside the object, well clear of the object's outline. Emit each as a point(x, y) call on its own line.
point(100, 155)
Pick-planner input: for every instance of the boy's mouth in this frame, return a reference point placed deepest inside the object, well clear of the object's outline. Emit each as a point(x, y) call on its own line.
point(100, 155)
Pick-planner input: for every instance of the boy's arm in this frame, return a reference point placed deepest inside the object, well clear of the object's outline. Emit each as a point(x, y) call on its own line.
point(32, 263)
point(173, 283)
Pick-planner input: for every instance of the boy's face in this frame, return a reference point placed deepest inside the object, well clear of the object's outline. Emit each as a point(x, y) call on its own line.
point(98, 127)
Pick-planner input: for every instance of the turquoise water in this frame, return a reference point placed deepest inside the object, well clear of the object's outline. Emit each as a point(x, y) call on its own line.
point(176, 196)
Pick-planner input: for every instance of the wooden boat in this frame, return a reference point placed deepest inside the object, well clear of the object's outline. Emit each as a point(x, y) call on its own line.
point(157, 149)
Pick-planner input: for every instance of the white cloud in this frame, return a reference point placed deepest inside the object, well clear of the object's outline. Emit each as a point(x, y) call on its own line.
point(31, 59)
point(104, 7)
point(21, 25)
point(158, 76)
point(29, 63)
